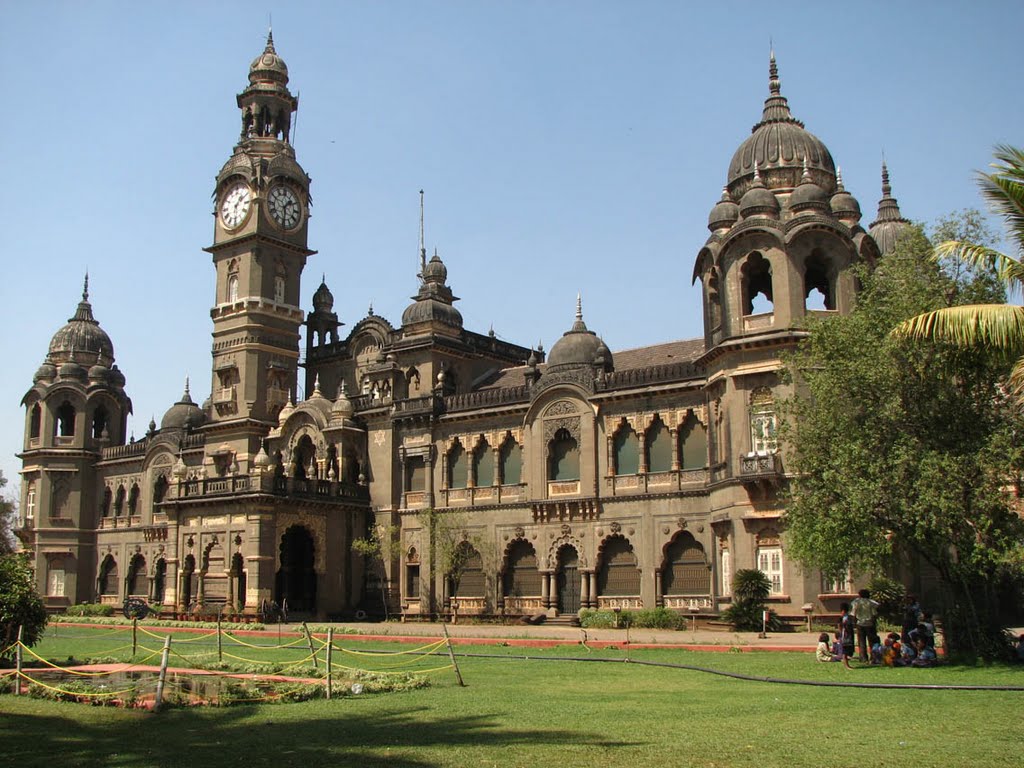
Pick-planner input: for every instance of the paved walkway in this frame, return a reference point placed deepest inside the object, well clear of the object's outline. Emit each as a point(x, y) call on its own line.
point(541, 636)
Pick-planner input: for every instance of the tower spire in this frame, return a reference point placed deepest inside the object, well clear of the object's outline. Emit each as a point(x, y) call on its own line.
point(423, 245)
point(776, 108)
point(85, 287)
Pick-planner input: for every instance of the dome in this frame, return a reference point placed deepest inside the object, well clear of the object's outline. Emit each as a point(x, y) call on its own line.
point(99, 374)
point(432, 310)
point(433, 302)
point(844, 205)
point(116, 377)
point(46, 371)
point(808, 195)
point(323, 299)
point(579, 346)
point(779, 145)
point(435, 271)
point(268, 65)
point(286, 411)
point(71, 370)
point(725, 212)
point(758, 200)
point(342, 408)
point(82, 334)
point(889, 226)
point(183, 414)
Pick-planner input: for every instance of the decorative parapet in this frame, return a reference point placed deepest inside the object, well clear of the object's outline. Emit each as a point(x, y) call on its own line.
point(325, 490)
point(487, 398)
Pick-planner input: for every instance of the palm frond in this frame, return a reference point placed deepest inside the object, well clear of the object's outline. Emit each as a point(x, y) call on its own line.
point(1008, 269)
point(1017, 381)
point(1004, 190)
point(999, 326)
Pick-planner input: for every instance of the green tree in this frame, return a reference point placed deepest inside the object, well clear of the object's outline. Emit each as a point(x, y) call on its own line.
point(750, 591)
point(378, 547)
point(451, 544)
point(7, 512)
point(20, 604)
point(995, 325)
point(899, 449)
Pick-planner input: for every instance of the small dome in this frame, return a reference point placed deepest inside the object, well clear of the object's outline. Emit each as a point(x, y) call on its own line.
point(844, 205)
point(268, 65)
point(579, 346)
point(286, 411)
point(725, 213)
point(261, 460)
point(758, 200)
point(71, 370)
point(99, 374)
point(429, 310)
point(808, 195)
point(46, 372)
point(433, 302)
point(323, 299)
point(342, 408)
point(435, 271)
point(889, 226)
point(183, 414)
point(116, 377)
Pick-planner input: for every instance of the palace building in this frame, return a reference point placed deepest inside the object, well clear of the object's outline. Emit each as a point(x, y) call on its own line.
point(493, 476)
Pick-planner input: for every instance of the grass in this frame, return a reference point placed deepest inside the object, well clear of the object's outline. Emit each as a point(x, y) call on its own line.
point(517, 712)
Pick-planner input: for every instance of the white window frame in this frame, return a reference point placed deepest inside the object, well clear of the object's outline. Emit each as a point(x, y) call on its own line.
point(726, 561)
point(55, 581)
point(771, 563)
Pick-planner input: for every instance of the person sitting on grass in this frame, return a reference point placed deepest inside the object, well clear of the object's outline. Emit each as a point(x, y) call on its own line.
point(892, 650)
point(837, 646)
point(877, 649)
point(909, 651)
point(823, 652)
point(925, 654)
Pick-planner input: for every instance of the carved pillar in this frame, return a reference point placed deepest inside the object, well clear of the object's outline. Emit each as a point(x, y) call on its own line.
point(498, 469)
point(201, 589)
point(659, 599)
point(593, 589)
point(610, 443)
point(674, 432)
point(584, 589)
point(643, 452)
point(405, 477)
point(428, 461)
point(545, 590)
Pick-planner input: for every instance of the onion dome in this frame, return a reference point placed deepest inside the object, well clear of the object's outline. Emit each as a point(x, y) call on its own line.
point(184, 414)
point(82, 334)
point(889, 226)
point(433, 302)
point(116, 377)
point(71, 370)
point(268, 65)
point(317, 399)
point(342, 408)
point(261, 460)
point(808, 196)
point(99, 374)
point(46, 372)
point(779, 144)
point(725, 213)
point(579, 346)
point(758, 200)
point(286, 411)
point(844, 205)
point(323, 299)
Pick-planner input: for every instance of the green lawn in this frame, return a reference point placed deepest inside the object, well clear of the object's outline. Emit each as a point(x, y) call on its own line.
point(517, 712)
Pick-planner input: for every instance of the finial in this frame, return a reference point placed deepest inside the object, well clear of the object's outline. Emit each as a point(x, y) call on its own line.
point(187, 394)
point(839, 179)
point(316, 386)
point(341, 389)
point(726, 197)
point(579, 305)
point(491, 331)
point(270, 39)
point(540, 345)
point(773, 74)
point(423, 246)
point(369, 312)
point(757, 175)
point(886, 187)
point(85, 288)
point(323, 278)
point(805, 177)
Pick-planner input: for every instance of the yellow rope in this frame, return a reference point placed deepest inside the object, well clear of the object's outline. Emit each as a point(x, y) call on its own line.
point(177, 639)
point(386, 672)
point(70, 671)
point(76, 693)
point(231, 637)
point(431, 646)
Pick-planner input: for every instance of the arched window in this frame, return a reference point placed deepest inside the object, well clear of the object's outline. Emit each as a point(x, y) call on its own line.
point(564, 461)
point(279, 284)
point(693, 444)
point(458, 467)
point(756, 279)
point(763, 424)
point(107, 499)
point(160, 489)
point(66, 420)
point(55, 577)
point(238, 573)
point(304, 463)
point(627, 451)
point(618, 574)
point(483, 465)
point(714, 300)
point(232, 289)
point(99, 423)
point(415, 474)
point(108, 576)
point(35, 421)
point(511, 463)
point(522, 579)
point(686, 569)
point(119, 501)
point(467, 576)
point(133, 500)
point(818, 284)
point(137, 576)
point(412, 574)
point(659, 448)
point(159, 580)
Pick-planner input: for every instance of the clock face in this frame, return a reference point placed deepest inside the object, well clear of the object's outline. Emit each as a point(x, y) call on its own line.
point(235, 207)
point(284, 206)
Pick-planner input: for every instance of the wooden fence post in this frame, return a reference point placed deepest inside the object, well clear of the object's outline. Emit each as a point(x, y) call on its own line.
point(309, 639)
point(451, 655)
point(135, 636)
point(330, 647)
point(220, 642)
point(17, 664)
point(163, 675)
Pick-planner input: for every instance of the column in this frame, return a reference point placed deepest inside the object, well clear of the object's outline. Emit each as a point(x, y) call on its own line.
point(643, 452)
point(428, 462)
point(545, 590)
point(585, 589)
point(658, 598)
point(675, 448)
point(593, 589)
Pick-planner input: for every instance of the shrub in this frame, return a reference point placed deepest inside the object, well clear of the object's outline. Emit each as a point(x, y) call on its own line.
point(658, 618)
point(750, 590)
point(90, 609)
point(890, 596)
point(20, 605)
point(591, 619)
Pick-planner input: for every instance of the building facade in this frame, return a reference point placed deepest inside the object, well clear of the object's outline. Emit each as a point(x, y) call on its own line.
point(494, 480)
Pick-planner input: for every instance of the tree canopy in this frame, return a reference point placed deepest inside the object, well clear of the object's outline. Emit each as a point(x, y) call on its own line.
point(903, 449)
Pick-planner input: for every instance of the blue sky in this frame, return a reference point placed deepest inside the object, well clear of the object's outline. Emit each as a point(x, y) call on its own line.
point(563, 146)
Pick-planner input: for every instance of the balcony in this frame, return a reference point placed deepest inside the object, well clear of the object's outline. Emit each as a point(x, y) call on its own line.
point(223, 395)
point(321, 490)
point(761, 469)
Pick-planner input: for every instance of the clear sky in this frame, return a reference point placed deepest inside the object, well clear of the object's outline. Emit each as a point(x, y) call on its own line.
point(563, 146)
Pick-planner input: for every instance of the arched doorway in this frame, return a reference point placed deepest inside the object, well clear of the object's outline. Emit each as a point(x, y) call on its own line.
point(296, 578)
point(238, 574)
point(159, 580)
point(137, 584)
point(568, 580)
point(188, 579)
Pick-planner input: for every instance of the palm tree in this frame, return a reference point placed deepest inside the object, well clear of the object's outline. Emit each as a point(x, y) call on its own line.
point(998, 326)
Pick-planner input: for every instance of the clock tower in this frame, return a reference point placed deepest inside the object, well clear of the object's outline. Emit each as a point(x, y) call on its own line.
point(259, 250)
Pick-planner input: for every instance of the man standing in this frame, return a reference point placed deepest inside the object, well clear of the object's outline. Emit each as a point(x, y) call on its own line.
point(865, 612)
point(847, 632)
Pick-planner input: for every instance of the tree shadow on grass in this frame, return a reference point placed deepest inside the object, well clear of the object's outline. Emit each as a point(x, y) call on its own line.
point(281, 735)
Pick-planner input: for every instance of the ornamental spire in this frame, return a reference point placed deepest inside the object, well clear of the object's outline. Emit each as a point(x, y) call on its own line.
point(776, 108)
point(888, 207)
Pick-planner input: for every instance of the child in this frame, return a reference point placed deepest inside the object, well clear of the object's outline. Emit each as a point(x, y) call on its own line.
point(837, 646)
point(891, 650)
point(925, 654)
point(876, 649)
point(822, 652)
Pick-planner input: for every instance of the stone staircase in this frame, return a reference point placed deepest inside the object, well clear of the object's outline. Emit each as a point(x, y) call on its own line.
point(564, 620)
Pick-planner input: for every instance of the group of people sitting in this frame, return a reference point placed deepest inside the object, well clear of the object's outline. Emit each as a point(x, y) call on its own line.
point(914, 647)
